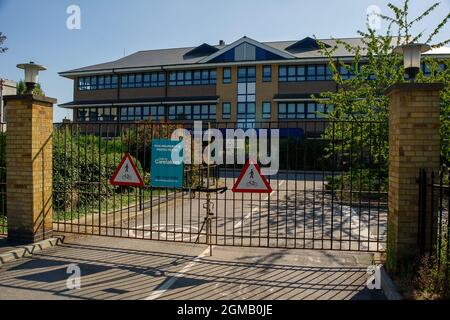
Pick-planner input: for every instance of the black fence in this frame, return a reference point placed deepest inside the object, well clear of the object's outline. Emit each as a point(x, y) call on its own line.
point(3, 225)
point(330, 191)
point(434, 230)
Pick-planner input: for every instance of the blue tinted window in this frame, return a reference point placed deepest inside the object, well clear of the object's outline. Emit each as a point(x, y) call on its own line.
point(226, 75)
point(97, 82)
point(304, 73)
point(301, 110)
point(267, 73)
point(187, 78)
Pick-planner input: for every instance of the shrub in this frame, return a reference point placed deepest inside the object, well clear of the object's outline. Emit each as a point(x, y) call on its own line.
point(359, 184)
point(304, 154)
point(82, 167)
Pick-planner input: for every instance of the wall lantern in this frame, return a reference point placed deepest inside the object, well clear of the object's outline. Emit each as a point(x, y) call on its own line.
point(412, 57)
point(31, 74)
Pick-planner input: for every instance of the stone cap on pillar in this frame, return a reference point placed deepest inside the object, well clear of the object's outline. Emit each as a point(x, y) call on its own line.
point(408, 86)
point(30, 98)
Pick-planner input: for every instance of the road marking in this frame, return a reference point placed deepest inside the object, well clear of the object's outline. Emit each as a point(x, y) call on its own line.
point(169, 283)
point(239, 223)
point(166, 285)
point(177, 229)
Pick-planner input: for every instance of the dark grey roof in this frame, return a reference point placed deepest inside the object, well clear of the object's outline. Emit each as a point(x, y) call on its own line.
point(177, 56)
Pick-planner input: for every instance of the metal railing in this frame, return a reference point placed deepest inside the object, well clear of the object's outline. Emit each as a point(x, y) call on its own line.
point(3, 223)
point(330, 191)
point(434, 228)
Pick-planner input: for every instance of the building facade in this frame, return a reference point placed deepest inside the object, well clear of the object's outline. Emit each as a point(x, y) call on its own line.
point(7, 87)
point(247, 82)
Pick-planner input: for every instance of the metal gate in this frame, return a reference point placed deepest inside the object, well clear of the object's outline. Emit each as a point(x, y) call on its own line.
point(3, 223)
point(330, 191)
point(434, 208)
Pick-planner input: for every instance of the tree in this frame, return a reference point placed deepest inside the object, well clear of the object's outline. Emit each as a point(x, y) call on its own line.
point(362, 100)
point(22, 88)
point(2, 40)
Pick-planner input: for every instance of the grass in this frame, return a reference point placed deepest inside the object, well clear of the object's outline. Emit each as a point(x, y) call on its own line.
point(111, 203)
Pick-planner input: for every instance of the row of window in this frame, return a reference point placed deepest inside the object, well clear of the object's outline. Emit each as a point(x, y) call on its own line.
point(245, 111)
point(97, 82)
point(303, 110)
point(126, 114)
point(427, 70)
point(192, 112)
point(96, 114)
point(247, 74)
point(197, 77)
point(143, 80)
point(304, 73)
point(155, 113)
point(300, 73)
point(139, 113)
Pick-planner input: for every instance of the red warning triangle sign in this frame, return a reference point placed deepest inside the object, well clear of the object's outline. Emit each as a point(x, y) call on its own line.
point(252, 180)
point(127, 174)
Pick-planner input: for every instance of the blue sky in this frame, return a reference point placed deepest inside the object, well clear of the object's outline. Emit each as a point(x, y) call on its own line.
point(36, 30)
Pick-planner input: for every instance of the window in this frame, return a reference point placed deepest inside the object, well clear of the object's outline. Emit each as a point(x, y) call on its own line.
point(246, 108)
point(97, 82)
point(226, 75)
point(143, 80)
point(267, 73)
point(345, 73)
point(319, 73)
point(304, 73)
point(246, 111)
point(266, 110)
point(196, 77)
point(192, 112)
point(302, 110)
point(213, 76)
point(247, 92)
point(82, 115)
point(97, 114)
point(247, 74)
point(180, 112)
point(226, 110)
point(426, 70)
point(140, 113)
point(291, 73)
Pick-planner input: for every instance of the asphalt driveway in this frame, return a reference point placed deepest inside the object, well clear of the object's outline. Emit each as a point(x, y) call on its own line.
point(116, 268)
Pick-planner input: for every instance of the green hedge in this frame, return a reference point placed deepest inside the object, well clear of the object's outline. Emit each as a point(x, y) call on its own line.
point(304, 154)
point(359, 185)
point(82, 166)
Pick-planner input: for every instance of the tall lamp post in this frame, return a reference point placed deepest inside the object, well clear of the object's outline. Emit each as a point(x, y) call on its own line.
point(31, 75)
point(412, 53)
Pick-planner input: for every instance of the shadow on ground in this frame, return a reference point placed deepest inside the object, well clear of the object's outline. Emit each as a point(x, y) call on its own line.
point(134, 269)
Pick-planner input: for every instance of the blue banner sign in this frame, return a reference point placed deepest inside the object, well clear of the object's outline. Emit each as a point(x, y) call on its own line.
point(167, 164)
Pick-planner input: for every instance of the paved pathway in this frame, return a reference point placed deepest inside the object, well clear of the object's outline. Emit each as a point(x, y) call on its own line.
point(114, 268)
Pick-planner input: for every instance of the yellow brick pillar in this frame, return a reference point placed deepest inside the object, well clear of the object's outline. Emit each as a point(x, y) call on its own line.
point(29, 167)
point(414, 143)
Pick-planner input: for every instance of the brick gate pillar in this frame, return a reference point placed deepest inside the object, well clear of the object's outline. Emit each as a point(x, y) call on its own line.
point(29, 167)
point(414, 143)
